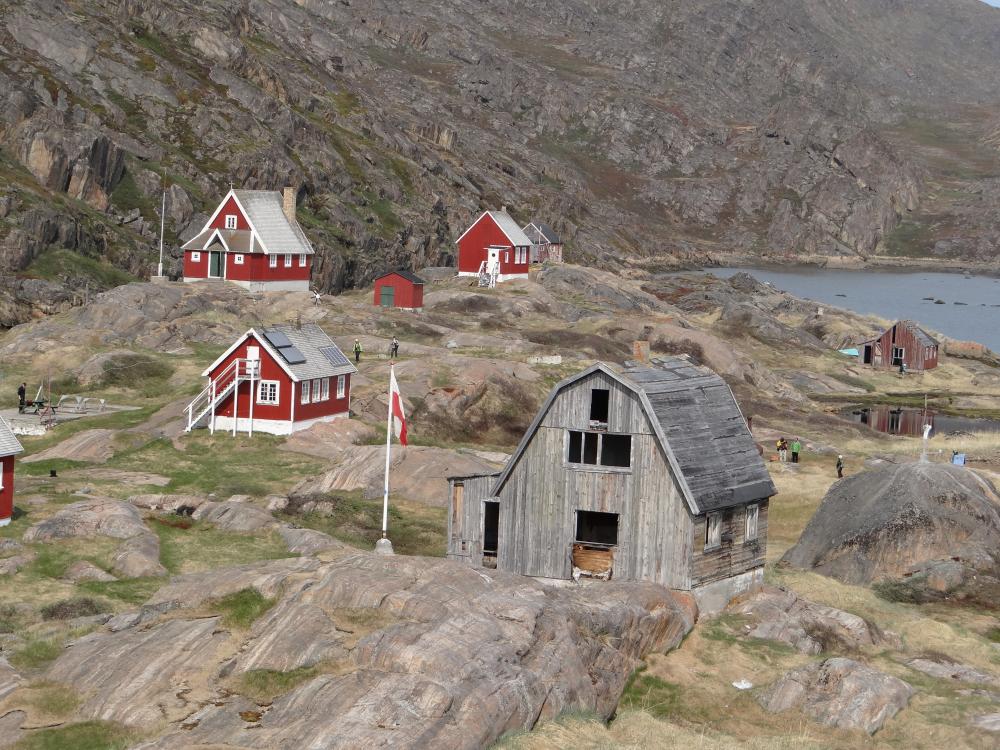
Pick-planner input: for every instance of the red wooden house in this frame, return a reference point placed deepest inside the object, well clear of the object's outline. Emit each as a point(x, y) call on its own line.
point(9, 447)
point(253, 240)
point(278, 380)
point(400, 289)
point(905, 342)
point(494, 248)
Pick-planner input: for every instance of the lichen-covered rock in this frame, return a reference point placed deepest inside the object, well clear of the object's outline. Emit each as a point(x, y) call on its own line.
point(82, 570)
point(234, 516)
point(839, 693)
point(97, 517)
point(781, 615)
point(139, 557)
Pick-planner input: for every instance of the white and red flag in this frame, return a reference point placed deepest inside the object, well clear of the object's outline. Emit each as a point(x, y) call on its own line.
point(396, 413)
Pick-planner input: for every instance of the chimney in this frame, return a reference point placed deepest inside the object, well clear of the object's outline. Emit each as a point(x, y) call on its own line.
point(503, 208)
point(640, 351)
point(288, 202)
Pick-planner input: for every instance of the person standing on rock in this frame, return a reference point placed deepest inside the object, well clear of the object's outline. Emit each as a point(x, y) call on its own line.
point(394, 348)
point(796, 449)
point(22, 391)
point(357, 350)
point(840, 467)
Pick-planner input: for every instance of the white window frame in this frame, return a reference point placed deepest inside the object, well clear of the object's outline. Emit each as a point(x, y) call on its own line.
point(324, 389)
point(238, 259)
point(713, 531)
point(752, 531)
point(230, 221)
point(302, 260)
point(304, 385)
point(196, 256)
point(271, 399)
point(272, 261)
point(288, 260)
point(341, 385)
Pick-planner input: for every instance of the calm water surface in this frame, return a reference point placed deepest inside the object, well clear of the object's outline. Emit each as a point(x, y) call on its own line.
point(896, 294)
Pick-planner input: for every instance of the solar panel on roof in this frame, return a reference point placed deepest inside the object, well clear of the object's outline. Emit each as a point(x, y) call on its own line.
point(292, 355)
point(277, 339)
point(333, 354)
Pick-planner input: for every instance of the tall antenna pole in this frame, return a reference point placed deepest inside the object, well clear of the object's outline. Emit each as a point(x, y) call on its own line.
point(163, 216)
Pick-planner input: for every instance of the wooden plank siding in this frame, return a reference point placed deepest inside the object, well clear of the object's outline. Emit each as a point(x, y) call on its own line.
point(466, 496)
point(731, 558)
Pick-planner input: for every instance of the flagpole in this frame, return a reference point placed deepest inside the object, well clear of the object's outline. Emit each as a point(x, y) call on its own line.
point(383, 546)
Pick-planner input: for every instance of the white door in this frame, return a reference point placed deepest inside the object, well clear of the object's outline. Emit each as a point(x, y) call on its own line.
point(493, 261)
point(253, 355)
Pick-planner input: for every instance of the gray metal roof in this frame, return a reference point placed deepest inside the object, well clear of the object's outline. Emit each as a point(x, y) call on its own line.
point(700, 428)
point(9, 444)
point(408, 275)
point(276, 233)
point(540, 234)
point(510, 228)
point(315, 346)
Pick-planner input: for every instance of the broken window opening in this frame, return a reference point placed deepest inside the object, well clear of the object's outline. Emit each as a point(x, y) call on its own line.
point(599, 399)
point(713, 531)
point(616, 450)
point(599, 449)
point(590, 448)
point(597, 528)
point(491, 527)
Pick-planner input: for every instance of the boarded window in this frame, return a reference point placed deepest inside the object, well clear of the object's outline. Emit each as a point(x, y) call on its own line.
point(616, 450)
point(751, 532)
point(713, 530)
point(491, 527)
point(597, 528)
point(599, 405)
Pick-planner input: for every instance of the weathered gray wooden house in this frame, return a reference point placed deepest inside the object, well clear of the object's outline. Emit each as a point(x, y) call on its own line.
point(648, 473)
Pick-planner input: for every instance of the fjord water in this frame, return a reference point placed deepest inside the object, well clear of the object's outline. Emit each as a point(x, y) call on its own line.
point(972, 303)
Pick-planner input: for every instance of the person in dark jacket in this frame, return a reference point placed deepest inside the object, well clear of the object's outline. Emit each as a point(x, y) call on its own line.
point(357, 350)
point(840, 467)
point(22, 391)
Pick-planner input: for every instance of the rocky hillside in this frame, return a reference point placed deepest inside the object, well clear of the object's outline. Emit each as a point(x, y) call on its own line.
point(647, 132)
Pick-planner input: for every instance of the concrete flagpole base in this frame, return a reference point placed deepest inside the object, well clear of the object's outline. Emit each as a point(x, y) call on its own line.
point(383, 547)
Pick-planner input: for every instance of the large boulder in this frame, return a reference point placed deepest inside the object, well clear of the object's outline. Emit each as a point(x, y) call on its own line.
point(96, 517)
point(410, 652)
point(839, 693)
point(933, 529)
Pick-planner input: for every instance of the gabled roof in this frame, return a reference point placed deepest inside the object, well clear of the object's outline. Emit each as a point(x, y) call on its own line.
point(919, 333)
point(408, 275)
point(541, 234)
point(9, 444)
point(321, 358)
point(699, 426)
point(506, 224)
point(234, 240)
point(270, 229)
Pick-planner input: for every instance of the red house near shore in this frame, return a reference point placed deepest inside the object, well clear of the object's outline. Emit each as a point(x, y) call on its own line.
point(278, 380)
point(400, 289)
point(9, 447)
point(494, 248)
point(253, 239)
point(904, 343)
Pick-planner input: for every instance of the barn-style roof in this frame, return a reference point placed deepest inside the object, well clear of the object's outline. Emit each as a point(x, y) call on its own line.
point(9, 444)
point(303, 352)
point(541, 234)
point(270, 230)
point(700, 428)
point(408, 275)
point(506, 224)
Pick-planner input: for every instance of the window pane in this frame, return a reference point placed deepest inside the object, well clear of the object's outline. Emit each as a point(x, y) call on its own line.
point(590, 448)
point(616, 450)
point(305, 392)
point(575, 444)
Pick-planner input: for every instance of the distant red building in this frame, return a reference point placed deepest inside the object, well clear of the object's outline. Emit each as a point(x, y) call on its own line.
point(278, 380)
point(905, 342)
point(494, 248)
point(253, 239)
point(9, 448)
point(400, 289)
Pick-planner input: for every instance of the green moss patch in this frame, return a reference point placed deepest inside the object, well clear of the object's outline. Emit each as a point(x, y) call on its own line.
point(241, 608)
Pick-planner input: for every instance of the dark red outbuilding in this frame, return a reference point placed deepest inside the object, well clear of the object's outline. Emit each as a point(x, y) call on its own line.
point(904, 343)
point(400, 289)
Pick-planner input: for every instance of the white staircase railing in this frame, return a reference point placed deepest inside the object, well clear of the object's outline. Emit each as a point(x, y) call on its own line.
point(202, 408)
point(489, 271)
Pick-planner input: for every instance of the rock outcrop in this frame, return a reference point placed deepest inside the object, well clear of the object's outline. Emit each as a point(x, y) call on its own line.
point(839, 693)
point(412, 652)
point(933, 529)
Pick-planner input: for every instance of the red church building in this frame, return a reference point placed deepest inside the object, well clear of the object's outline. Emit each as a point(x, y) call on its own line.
point(9, 448)
point(400, 289)
point(253, 239)
point(278, 380)
point(494, 248)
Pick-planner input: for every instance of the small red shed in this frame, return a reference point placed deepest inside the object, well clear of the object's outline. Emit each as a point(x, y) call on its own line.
point(253, 239)
point(278, 380)
point(400, 289)
point(9, 448)
point(905, 342)
point(494, 248)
